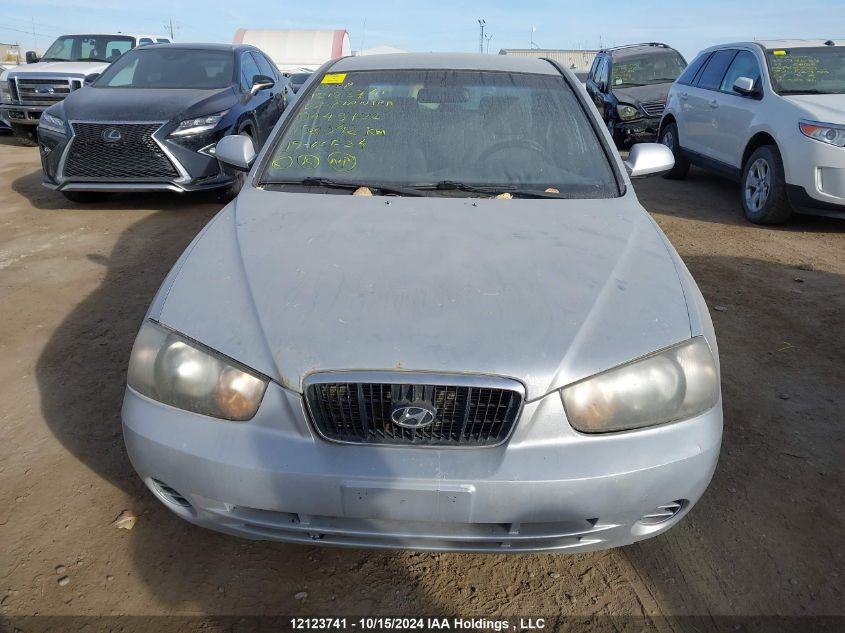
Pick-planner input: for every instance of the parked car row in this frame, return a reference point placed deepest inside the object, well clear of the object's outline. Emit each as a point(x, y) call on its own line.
point(149, 115)
point(769, 114)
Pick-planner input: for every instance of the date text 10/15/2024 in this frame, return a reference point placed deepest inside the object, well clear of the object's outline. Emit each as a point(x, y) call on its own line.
point(416, 624)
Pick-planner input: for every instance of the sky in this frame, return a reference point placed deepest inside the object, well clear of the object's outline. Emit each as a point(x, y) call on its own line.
point(687, 25)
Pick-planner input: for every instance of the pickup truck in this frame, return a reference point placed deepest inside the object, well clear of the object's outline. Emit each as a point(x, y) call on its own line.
point(27, 90)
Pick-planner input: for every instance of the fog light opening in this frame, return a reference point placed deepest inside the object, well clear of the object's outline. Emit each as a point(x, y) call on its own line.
point(663, 513)
point(170, 494)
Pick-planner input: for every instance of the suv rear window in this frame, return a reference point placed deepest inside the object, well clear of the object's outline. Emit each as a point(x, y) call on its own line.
point(688, 76)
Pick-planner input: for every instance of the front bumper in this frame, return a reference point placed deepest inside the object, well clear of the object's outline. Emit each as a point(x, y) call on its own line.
point(548, 489)
point(644, 129)
point(815, 176)
point(24, 115)
point(196, 171)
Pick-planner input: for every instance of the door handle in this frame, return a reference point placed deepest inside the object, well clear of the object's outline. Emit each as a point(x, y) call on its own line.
point(714, 103)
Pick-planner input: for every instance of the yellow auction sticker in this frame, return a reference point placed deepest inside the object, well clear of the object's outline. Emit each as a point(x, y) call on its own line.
point(335, 78)
point(778, 53)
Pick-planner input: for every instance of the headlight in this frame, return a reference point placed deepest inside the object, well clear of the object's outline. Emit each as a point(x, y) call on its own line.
point(175, 370)
point(198, 125)
point(627, 112)
point(52, 123)
point(824, 132)
point(5, 92)
point(673, 384)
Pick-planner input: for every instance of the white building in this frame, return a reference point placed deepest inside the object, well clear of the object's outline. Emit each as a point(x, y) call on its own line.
point(576, 60)
point(295, 50)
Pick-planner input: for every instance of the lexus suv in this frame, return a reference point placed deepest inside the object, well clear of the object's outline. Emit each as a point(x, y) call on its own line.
point(150, 121)
point(436, 317)
point(629, 84)
point(770, 114)
point(26, 91)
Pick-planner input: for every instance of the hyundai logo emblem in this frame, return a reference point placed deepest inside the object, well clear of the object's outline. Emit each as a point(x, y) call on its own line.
point(412, 417)
point(111, 135)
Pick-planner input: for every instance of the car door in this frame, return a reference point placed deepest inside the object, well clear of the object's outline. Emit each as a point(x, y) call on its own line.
point(259, 104)
point(279, 91)
point(601, 87)
point(734, 111)
point(701, 118)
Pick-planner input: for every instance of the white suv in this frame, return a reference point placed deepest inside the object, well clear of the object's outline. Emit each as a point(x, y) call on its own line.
point(770, 114)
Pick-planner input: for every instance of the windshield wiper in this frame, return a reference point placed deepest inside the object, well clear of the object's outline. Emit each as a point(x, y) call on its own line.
point(52, 59)
point(807, 91)
point(89, 59)
point(340, 184)
point(491, 190)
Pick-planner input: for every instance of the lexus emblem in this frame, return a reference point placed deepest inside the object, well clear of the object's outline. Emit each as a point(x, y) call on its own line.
point(412, 417)
point(111, 135)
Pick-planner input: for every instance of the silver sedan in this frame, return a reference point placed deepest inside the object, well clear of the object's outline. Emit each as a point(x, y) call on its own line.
point(437, 318)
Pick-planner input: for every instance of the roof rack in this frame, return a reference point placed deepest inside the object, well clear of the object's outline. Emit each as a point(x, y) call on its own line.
point(616, 48)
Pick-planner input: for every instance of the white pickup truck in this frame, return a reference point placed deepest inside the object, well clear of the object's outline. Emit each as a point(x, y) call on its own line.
point(27, 90)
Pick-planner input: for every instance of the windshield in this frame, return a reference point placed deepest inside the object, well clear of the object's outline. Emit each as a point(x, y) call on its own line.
point(88, 48)
point(429, 127)
point(299, 78)
point(170, 68)
point(656, 67)
point(818, 70)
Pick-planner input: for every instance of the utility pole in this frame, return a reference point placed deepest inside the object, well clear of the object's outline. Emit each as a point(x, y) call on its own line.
point(482, 24)
point(169, 27)
point(533, 31)
point(34, 35)
point(488, 38)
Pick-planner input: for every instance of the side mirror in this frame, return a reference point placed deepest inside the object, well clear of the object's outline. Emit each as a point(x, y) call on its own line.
point(261, 82)
point(31, 57)
point(745, 86)
point(236, 151)
point(649, 159)
point(89, 79)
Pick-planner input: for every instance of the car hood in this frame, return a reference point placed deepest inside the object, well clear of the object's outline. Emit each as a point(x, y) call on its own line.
point(131, 104)
point(637, 94)
point(543, 291)
point(822, 108)
point(59, 69)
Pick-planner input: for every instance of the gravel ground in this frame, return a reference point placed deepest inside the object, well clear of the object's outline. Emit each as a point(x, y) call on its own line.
point(768, 538)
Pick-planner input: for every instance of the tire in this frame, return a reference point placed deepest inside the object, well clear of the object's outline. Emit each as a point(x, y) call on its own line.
point(763, 193)
point(85, 197)
point(669, 138)
point(25, 134)
point(240, 176)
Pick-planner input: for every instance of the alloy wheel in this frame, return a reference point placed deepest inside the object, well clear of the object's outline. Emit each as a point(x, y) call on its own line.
point(758, 184)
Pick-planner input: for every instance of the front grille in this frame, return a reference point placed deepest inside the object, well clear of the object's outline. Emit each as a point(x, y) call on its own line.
point(360, 412)
point(44, 92)
point(134, 156)
point(654, 108)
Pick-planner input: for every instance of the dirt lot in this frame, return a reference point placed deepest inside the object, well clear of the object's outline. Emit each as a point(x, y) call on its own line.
point(768, 538)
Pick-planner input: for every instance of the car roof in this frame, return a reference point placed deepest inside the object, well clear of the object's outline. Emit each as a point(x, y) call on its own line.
point(784, 43)
point(137, 36)
point(445, 61)
point(200, 46)
point(621, 52)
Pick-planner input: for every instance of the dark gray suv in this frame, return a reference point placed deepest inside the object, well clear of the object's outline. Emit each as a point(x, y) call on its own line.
point(629, 85)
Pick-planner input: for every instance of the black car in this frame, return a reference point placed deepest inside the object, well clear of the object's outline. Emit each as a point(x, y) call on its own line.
point(629, 85)
point(151, 120)
point(297, 80)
